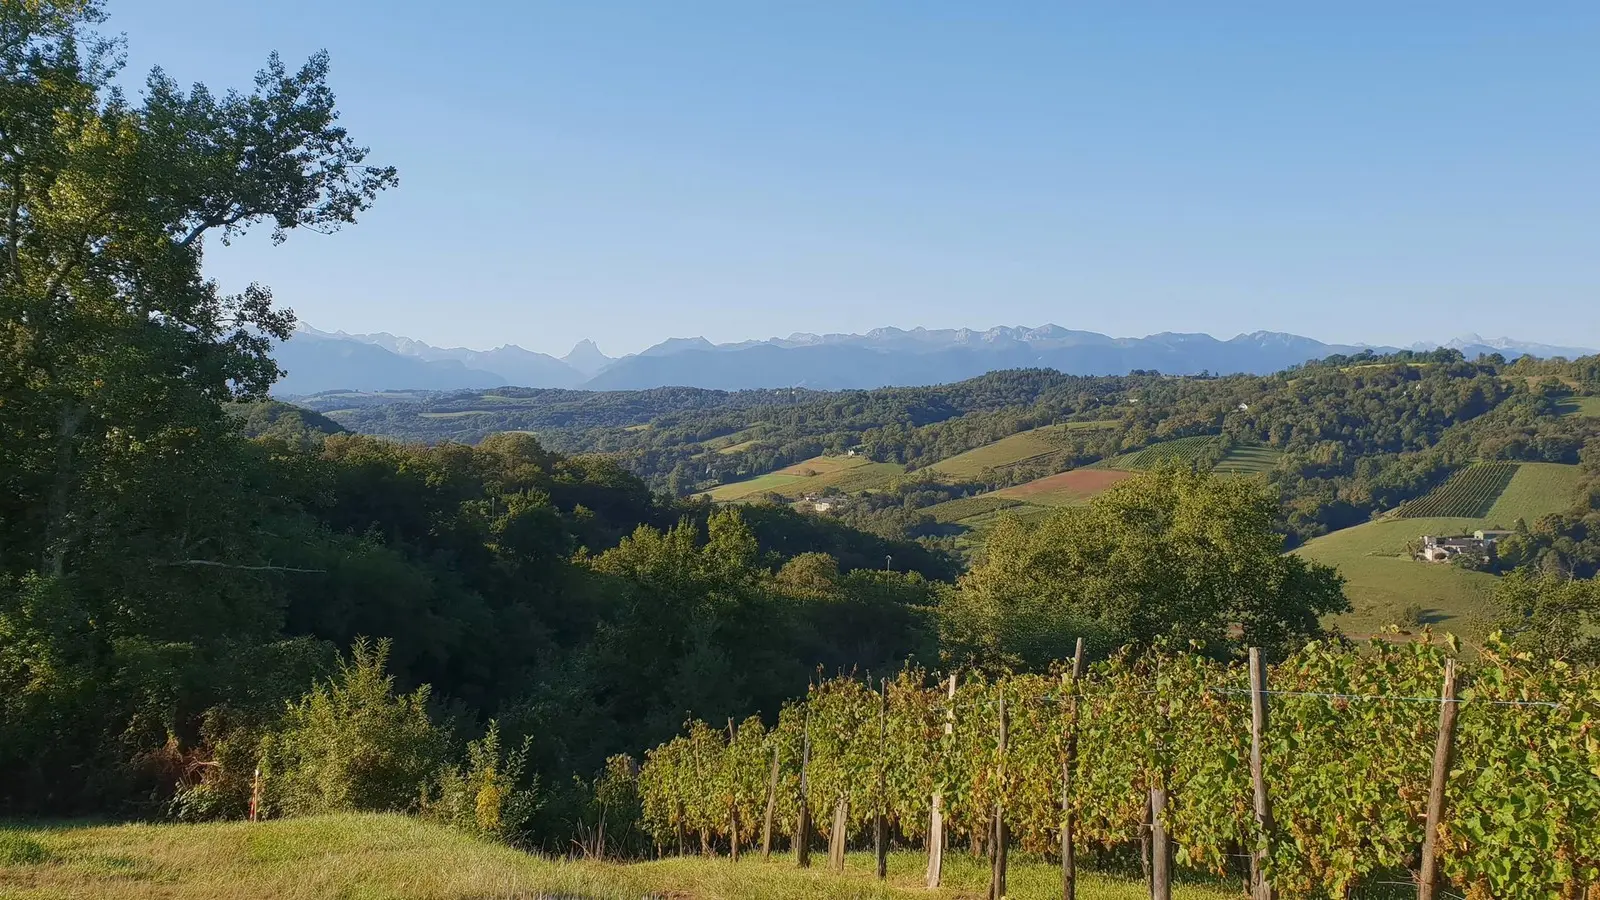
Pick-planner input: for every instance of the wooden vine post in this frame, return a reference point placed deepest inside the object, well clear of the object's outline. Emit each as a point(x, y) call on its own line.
point(836, 837)
point(802, 827)
point(1069, 761)
point(880, 831)
point(936, 839)
point(1427, 883)
point(1160, 842)
point(733, 799)
point(997, 852)
point(772, 804)
point(255, 796)
point(1160, 851)
point(1260, 885)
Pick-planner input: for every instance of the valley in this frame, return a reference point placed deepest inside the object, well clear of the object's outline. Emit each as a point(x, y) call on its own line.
point(1367, 453)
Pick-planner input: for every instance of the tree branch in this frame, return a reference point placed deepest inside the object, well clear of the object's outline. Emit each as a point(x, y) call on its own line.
point(13, 236)
point(223, 565)
point(213, 221)
point(67, 265)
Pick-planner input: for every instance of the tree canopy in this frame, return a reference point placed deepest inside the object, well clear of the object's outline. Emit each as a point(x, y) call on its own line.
point(1175, 554)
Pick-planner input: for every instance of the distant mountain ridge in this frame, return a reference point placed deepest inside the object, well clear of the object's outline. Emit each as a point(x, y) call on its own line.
point(320, 361)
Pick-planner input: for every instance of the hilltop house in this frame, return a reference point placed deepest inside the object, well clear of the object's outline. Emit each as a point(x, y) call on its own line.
point(1444, 549)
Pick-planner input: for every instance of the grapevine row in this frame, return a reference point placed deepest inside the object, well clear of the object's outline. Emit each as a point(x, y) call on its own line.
point(1182, 450)
point(1469, 493)
point(1347, 757)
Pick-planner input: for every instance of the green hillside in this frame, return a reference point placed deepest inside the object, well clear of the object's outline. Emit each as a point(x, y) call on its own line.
point(1382, 580)
point(1248, 460)
point(1537, 489)
point(1183, 450)
point(1469, 493)
point(1009, 451)
point(952, 511)
point(847, 473)
point(1585, 407)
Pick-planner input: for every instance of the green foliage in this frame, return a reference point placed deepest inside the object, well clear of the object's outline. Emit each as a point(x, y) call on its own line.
point(1347, 751)
point(1173, 553)
point(352, 744)
point(485, 795)
point(1550, 615)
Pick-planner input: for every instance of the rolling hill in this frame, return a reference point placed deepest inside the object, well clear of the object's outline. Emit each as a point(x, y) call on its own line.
point(846, 473)
point(1382, 579)
point(1017, 449)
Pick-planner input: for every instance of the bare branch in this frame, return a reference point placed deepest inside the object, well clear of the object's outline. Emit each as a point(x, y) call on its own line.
point(223, 565)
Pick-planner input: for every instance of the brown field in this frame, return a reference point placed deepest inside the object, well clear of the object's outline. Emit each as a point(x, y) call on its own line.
point(1066, 489)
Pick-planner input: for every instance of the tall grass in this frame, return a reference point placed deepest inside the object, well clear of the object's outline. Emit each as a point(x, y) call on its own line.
point(371, 856)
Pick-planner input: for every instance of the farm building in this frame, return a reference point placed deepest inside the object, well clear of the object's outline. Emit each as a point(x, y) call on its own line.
point(822, 502)
point(1444, 549)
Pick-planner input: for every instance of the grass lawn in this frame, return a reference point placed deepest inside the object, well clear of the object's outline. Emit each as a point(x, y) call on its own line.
point(1248, 461)
point(1382, 581)
point(1537, 489)
point(370, 856)
point(1581, 406)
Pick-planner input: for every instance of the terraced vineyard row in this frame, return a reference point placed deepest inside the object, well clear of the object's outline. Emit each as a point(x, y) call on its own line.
point(1184, 450)
point(1468, 494)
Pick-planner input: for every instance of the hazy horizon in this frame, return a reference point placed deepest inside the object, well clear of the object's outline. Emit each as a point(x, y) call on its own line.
point(628, 171)
point(602, 345)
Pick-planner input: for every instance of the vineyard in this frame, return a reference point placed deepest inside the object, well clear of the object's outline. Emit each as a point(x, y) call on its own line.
point(1355, 759)
point(1180, 450)
point(967, 507)
point(1468, 494)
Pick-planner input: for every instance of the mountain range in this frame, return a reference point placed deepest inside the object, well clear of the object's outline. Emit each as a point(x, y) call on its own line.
point(318, 361)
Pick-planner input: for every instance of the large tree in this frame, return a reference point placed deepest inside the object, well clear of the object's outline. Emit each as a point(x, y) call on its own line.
point(1172, 554)
point(133, 525)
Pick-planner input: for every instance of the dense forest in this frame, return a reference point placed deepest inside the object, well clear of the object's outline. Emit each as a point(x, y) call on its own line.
point(196, 582)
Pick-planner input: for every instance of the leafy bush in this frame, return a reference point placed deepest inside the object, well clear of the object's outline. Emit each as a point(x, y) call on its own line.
point(483, 796)
point(352, 744)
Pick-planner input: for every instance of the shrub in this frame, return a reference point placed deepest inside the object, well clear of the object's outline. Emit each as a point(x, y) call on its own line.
point(352, 744)
point(1412, 616)
point(484, 795)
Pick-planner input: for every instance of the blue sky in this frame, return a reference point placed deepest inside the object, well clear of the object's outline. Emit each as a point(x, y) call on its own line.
point(1382, 172)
